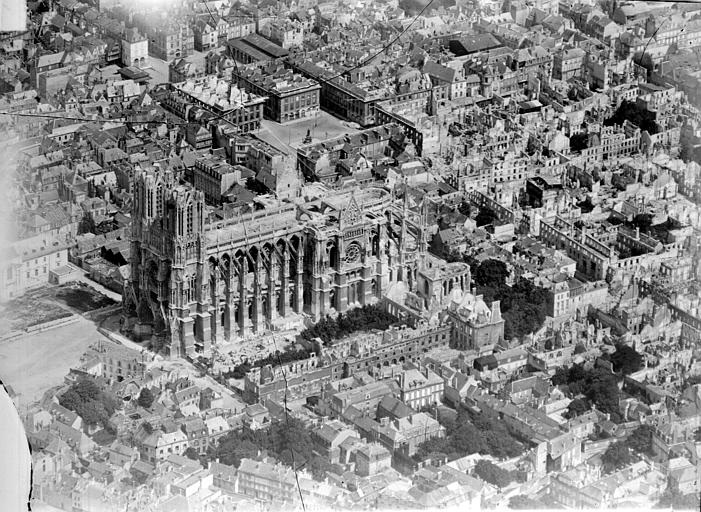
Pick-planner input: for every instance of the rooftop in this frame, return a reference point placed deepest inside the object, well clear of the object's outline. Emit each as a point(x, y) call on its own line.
point(218, 93)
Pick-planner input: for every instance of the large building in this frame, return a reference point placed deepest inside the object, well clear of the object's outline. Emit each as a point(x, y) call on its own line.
point(29, 263)
point(217, 97)
point(338, 96)
point(134, 49)
point(601, 255)
point(319, 161)
point(366, 352)
point(476, 325)
point(290, 96)
point(255, 48)
point(196, 282)
point(169, 39)
point(214, 177)
point(420, 387)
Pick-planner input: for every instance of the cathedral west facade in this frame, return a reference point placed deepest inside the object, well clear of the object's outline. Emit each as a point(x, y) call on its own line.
point(198, 282)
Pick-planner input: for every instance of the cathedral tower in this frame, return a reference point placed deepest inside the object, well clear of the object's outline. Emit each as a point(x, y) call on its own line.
point(168, 285)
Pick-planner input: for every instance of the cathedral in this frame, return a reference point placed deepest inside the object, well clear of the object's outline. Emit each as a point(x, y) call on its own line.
point(196, 280)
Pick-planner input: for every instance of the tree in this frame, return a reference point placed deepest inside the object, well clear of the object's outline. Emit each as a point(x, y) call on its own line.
point(497, 438)
point(603, 391)
point(599, 386)
point(191, 453)
point(626, 360)
point(485, 217)
point(493, 474)
point(468, 440)
point(472, 433)
point(256, 186)
point(638, 115)
point(640, 440)
point(91, 403)
point(146, 398)
point(86, 389)
point(239, 371)
point(231, 450)
point(490, 273)
point(93, 413)
point(465, 208)
point(579, 141)
point(436, 446)
point(616, 456)
point(576, 407)
point(86, 225)
point(289, 441)
point(523, 307)
point(357, 319)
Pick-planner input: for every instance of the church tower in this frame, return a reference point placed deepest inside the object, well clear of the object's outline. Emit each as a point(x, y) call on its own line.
point(167, 291)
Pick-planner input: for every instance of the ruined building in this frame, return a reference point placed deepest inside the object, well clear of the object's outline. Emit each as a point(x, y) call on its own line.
point(196, 281)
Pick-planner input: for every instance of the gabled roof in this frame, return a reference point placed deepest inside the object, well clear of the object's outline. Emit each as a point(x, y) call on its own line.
point(395, 407)
point(439, 72)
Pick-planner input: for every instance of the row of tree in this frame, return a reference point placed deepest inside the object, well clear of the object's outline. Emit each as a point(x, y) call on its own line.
point(357, 319)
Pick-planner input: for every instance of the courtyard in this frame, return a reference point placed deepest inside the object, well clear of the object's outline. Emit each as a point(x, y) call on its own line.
point(321, 127)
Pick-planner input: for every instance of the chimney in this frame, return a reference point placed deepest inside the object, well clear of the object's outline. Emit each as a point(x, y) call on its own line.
point(496, 311)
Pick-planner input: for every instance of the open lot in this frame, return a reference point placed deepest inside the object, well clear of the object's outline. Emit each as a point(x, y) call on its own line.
point(323, 126)
point(34, 363)
point(29, 310)
point(50, 303)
